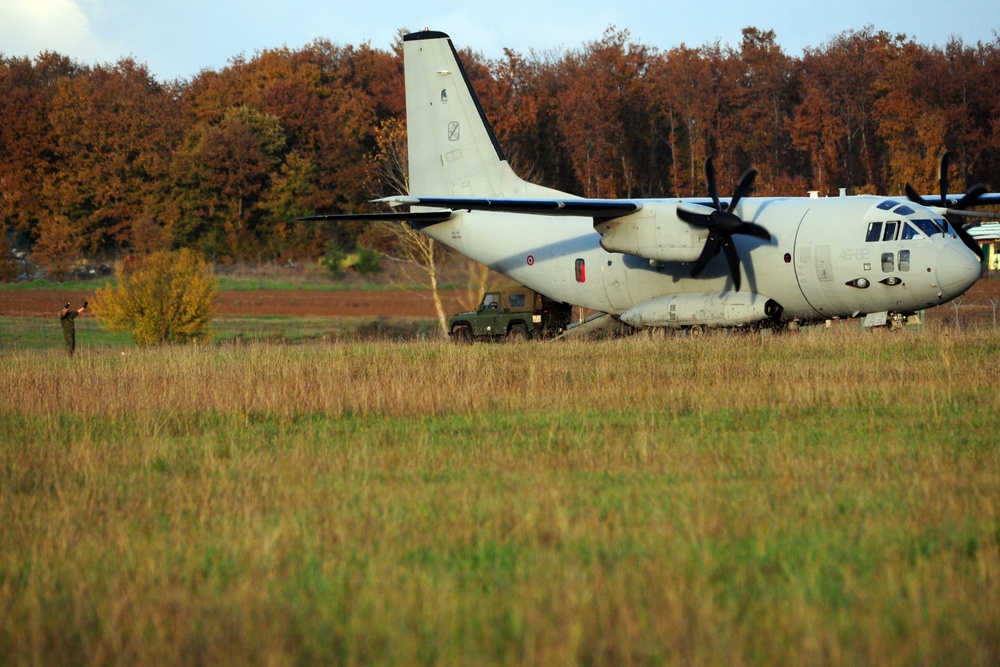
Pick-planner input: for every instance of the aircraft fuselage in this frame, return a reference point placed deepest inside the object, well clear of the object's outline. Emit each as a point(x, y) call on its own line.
point(825, 259)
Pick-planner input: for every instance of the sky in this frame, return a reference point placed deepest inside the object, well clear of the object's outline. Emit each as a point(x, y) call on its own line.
point(177, 39)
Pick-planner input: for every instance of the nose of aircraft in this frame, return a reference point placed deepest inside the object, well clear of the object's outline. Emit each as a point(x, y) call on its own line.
point(957, 270)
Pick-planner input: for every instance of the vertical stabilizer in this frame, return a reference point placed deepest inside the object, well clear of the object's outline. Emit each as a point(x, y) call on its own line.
point(453, 151)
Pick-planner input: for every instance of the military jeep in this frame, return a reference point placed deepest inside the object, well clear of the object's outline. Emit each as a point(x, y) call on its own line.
point(517, 313)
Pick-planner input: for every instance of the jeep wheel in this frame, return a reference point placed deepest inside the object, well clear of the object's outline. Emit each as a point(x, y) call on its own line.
point(518, 333)
point(461, 335)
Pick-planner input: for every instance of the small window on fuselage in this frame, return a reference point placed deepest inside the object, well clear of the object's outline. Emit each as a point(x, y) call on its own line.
point(904, 260)
point(887, 262)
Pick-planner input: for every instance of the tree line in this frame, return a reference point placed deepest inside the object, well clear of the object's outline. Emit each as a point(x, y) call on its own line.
point(106, 160)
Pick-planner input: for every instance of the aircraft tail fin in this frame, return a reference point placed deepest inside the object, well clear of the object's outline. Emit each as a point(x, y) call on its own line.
point(453, 151)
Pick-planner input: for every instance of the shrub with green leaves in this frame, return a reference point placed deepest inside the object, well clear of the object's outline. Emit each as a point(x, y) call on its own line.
point(165, 297)
point(369, 262)
point(363, 261)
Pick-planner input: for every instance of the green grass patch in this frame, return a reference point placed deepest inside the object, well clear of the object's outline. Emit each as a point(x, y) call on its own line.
point(74, 285)
point(45, 333)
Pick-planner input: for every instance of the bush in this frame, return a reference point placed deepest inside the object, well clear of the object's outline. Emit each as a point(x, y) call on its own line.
point(165, 297)
point(334, 258)
point(369, 262)
point(364, 261)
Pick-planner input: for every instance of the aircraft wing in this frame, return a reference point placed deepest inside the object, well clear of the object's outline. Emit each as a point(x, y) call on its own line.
point(984, 199)
point(591, 208)
point(599, 209)
point(973, 215)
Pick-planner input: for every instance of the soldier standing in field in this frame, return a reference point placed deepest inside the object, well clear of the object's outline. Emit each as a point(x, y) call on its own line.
point(69, 327)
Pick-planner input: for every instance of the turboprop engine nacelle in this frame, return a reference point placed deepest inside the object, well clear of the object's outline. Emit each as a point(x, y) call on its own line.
point(707, 308)
point(655, 233)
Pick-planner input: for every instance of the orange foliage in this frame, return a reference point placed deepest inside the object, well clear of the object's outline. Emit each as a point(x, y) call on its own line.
point(108, 159)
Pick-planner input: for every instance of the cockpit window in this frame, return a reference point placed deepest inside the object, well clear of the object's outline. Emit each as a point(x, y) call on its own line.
point(926, 226)
point(888, 205)
point(874, 232)
point(904, 210)
point(890, 231)
point(909, 232)
point(945, 226)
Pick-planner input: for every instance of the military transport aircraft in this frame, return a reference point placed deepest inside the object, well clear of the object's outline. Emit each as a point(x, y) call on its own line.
point(679, 263)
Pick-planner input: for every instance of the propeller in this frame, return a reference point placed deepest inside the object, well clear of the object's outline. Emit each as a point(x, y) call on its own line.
point(722, 223)
point(968, 200)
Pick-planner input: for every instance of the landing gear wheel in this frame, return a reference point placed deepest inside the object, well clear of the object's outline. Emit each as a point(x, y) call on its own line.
point(696, 331)
point(461, 335)
point(518, 334)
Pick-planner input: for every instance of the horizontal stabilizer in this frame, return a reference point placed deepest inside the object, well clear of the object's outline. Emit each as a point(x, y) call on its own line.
point(422, 217)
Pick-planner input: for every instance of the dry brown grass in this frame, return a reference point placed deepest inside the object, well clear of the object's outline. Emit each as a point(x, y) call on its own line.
point(843, 367)
point(824, 498)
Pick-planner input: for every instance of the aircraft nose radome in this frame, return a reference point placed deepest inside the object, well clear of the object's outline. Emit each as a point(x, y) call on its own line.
point(957, 271)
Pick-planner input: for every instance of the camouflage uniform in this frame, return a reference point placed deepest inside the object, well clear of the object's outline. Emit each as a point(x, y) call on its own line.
point(69, 329)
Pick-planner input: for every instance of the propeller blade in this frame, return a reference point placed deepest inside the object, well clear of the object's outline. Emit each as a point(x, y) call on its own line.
point(971, 196)
point(711, 247)
point(699, 219)
point(743, 187)
point(943, 177)
point(713, 190)
point(733, 259)
point(722, 223)
point(969, 242)
point(753, 229)
point(914, 197)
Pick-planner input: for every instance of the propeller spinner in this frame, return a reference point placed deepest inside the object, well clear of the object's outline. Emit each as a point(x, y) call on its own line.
point(722, 223)
point(968, 199)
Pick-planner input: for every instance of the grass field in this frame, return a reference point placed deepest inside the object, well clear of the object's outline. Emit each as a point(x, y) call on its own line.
point(823, 498)
point(45, 333)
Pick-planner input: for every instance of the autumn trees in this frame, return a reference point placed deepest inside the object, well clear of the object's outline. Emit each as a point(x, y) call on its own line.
point(107, 160)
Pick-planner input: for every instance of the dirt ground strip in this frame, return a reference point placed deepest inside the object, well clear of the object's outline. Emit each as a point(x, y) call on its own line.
point(389, 303)
point(974, 307)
